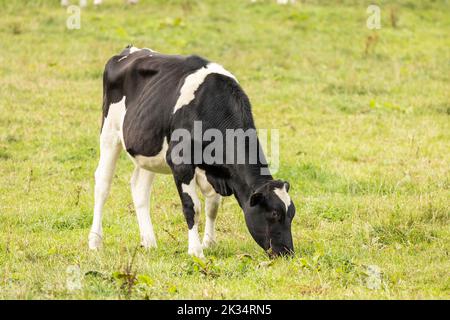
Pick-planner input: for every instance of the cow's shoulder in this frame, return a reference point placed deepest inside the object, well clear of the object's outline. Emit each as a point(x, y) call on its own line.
point(195, 62)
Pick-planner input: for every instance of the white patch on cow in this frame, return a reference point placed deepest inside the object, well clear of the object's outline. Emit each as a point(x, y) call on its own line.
point(114, 121)
point(135, 49)
point(195, 80)
point(192, 192)
point(116, 113)
point(195, 246)
point(283, 195)
point(156, 163)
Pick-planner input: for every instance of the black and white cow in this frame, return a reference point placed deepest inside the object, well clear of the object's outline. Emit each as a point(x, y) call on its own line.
point(147, 97)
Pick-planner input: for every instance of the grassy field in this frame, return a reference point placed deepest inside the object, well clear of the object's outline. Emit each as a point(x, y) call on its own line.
point(364, 119)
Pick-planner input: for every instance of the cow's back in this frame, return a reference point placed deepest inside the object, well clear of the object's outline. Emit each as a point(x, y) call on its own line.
point(150, 83)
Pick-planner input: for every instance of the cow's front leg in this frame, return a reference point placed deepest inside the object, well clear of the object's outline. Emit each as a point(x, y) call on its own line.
point(184, 176)
point(212, 201)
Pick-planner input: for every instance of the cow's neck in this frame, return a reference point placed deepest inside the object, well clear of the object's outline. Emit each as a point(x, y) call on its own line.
point(247, 178)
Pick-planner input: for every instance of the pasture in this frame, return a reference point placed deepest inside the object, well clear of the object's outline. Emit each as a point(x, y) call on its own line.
point(364, 120)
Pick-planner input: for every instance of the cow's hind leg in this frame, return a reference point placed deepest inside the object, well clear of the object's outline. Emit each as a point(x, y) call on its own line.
point(212, 201)
point(141, 183)
point(109, 152)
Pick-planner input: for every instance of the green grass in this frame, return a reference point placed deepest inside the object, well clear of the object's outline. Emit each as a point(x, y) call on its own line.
point(365, 143)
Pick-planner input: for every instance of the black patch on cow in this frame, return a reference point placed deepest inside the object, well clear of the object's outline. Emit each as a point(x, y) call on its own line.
point(188, 209)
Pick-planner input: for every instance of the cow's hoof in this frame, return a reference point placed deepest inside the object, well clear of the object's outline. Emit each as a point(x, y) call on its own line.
point(148, 242)
point(208, 242)
point(196, 252)
point(95, 241)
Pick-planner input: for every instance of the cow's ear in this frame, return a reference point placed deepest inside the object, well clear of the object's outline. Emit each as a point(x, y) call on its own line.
point(256, 198)
point(287, 186)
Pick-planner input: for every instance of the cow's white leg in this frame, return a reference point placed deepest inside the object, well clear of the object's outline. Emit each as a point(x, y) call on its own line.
point(212, 201)
point(141, 183)
point(64, 3)
point(184, 176)
point(109, 152)
point(195, 246)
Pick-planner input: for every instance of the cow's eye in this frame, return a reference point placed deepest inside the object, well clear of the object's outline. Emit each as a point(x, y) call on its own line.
point(276, 215)
point(273, 216)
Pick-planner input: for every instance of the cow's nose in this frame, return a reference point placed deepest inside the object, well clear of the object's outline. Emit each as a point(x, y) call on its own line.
point(284, 252)
point(288, 252)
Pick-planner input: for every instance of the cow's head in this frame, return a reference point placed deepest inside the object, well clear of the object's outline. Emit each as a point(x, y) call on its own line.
point(269, 213)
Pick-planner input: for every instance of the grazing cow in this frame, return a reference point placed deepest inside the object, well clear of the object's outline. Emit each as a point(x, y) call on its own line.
point(147, 97)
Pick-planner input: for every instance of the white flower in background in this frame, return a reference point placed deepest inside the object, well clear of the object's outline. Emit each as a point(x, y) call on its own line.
point(285, 1)
point(83, 3)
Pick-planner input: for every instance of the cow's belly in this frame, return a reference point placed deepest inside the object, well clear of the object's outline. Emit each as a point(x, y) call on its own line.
point(114, 128)
point(142, 140)
point(155, 163)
